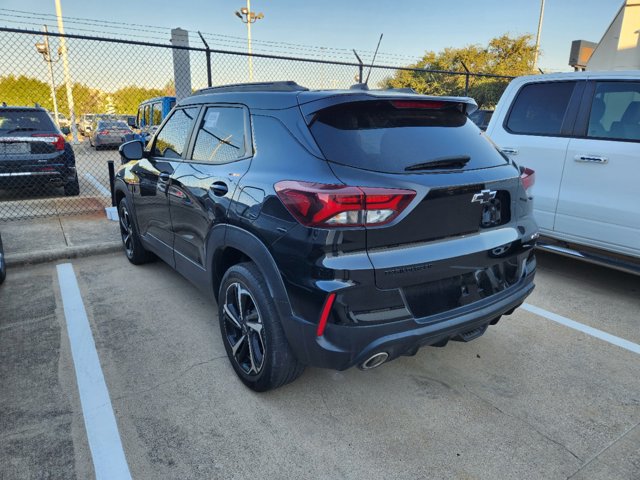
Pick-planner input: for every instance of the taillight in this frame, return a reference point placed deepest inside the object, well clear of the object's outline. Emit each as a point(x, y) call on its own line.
point(56, 140)
point(528, 178)
point(104, 132)
point(322, 205)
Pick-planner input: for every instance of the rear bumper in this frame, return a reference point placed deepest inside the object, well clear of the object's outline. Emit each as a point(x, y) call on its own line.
point(344, 346)
point(26, 175)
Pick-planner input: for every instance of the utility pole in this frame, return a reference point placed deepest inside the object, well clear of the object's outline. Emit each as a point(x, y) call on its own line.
point(67, 75)
point(247, 16)
point(45, 51)
point(535, 58)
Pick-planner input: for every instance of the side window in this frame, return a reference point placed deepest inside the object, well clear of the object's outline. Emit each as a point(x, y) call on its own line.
point(146, 115)
point(156, 114)
point(615, 111)
point(139, 116)
point(172, 138)
point(539, 108)
point(221, 136)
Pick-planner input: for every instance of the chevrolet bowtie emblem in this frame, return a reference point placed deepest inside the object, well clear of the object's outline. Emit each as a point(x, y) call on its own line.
point(485, 196)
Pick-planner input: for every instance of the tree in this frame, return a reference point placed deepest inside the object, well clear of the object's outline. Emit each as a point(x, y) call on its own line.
point(85, 100)
point(504, 55)
point(25, 91)
point(127, 99)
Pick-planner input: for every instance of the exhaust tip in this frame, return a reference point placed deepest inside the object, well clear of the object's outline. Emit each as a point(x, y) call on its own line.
point(374, 361)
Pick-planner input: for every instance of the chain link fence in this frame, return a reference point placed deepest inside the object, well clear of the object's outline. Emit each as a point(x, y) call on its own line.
point(111, 78)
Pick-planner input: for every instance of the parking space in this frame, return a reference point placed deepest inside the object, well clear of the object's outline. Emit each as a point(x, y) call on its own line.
point(529, 399)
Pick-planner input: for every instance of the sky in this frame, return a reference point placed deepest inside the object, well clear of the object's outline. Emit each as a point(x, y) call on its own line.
point(331, 28)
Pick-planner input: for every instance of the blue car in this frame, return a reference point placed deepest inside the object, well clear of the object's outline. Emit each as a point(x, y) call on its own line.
point(152, 112)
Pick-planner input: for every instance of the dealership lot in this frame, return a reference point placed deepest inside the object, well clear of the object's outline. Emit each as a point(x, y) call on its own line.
point(529, 399)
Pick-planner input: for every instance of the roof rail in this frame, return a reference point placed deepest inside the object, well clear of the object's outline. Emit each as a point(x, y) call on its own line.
point(286, 86)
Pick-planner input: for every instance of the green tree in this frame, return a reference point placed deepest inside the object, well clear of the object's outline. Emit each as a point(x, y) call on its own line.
point(504, 55)
point(25, 91)
point(127, 99)
point(85, 100)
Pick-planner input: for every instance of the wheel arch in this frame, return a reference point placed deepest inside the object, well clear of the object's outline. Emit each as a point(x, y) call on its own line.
point(239, 246)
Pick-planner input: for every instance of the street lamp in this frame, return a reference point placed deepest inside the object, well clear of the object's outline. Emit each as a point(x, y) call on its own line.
point(247, 16)
point(43, 49)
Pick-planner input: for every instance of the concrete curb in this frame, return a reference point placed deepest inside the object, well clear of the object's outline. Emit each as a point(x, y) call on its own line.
point(44, 256)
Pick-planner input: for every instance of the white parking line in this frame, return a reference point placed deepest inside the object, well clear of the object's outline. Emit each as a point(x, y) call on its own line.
point(94, 181)
point(594, 332)
point(109, 461)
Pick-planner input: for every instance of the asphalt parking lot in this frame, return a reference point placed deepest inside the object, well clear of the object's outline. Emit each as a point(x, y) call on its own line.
point(530, 399)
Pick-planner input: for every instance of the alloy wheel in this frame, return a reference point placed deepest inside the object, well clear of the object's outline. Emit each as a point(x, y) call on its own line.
point(126, 231)
point(244, 329)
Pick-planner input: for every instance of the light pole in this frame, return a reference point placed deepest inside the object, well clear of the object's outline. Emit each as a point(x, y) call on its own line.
point(67, 75)
point(247, 16)
point(535, 57)
point(44, 50)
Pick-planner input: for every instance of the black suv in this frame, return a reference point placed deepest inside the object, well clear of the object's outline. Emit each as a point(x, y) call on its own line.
point(334, 228)
point(33, 151)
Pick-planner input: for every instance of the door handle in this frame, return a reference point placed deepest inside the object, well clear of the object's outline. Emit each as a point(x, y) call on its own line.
point(590, 159)
point(164, 176)
point(219, 189)
point(510, 150)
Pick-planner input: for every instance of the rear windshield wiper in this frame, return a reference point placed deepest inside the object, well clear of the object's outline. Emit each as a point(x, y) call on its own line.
point(458, 161)
point(21, 129)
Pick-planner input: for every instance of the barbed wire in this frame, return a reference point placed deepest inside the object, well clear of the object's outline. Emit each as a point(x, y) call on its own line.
point(265, 46)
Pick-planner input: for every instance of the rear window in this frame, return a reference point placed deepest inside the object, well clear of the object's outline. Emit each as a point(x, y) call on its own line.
point(378, 136)
point(25, 120)
point(121, 125)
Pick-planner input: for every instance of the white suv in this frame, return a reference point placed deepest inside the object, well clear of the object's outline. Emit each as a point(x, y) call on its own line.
point(580, 132)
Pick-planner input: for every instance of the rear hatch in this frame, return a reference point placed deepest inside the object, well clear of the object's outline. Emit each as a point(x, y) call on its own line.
point(464, 186)
point(28, 139)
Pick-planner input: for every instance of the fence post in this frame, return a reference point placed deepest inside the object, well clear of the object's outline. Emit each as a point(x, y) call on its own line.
point(112, 181)
point(181, 63)
point(360, 67)
point(466, 79)
point(208, 53)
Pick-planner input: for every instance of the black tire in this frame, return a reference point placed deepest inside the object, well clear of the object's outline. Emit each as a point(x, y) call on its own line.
point(133, 248)
point(263, 359)
point(72, 188)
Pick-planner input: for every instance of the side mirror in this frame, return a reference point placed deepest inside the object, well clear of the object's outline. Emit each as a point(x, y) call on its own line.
point(131, 151)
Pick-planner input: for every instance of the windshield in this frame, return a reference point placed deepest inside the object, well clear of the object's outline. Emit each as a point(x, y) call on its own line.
point(389, 136)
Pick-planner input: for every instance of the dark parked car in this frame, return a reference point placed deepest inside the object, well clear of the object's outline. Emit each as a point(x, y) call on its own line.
point(334, 228)
point(32, 150)
point(481, 118)
point(108, 133)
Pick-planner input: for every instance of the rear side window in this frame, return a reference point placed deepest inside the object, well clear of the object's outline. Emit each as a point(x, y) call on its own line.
point(156, 114)
point(146, 114)
point(221, 136)
point(390, 136)
point(24, 120)
point(172, 138)
point(539, 108)
point(615, 111)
